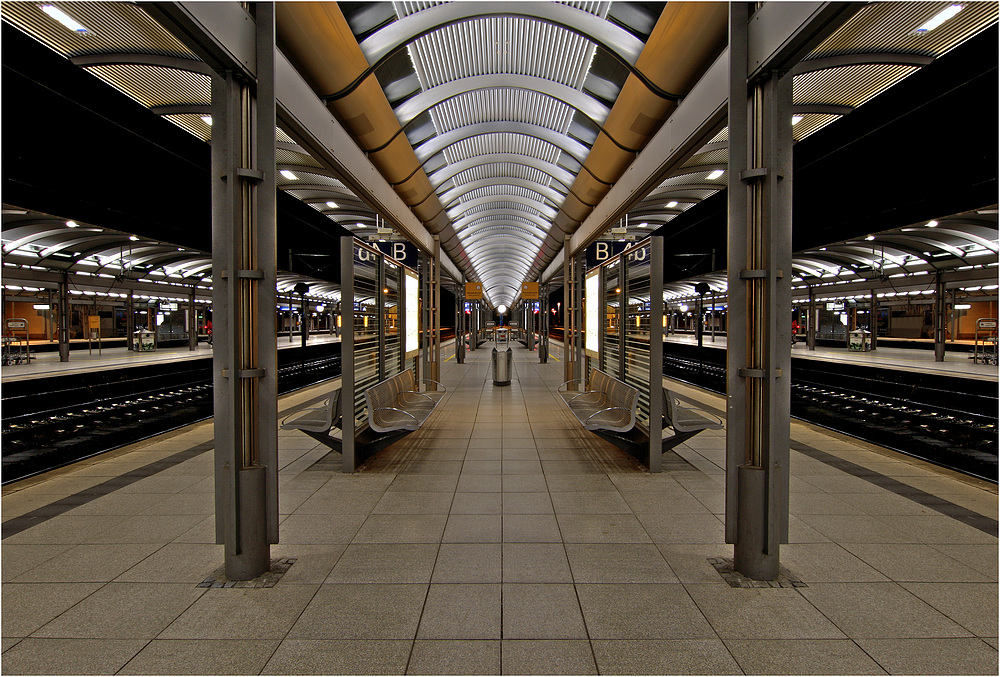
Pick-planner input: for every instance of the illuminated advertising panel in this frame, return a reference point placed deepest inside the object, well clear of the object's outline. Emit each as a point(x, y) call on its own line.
point(412, 296)
point(592, 319)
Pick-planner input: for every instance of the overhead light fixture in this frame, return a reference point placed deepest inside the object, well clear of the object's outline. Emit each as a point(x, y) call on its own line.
point(716, 174)
point(332, 205)
point(870, 238)
point(64, 18)
point(671, 204)
point(796, 119)
point(643, 224)
point(133, 238)
point(288, 175)
point(360, 225)
point(932, 224)
point(963, 306)
point(207, 119)
point(72, 224)
point(46, 306)
point(939, 18)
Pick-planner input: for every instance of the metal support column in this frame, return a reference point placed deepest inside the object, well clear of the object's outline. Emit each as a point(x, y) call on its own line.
point(244, 276)
point(460, 322)
point(873, 321)
point(64, 317)
point(436, 355)
point(192, 322)
point(347, 378)
point(130, 319)
point(569, 327)
point(655, 460)
point(811, 321)
point(759, 272)
point(543, 325)
point(940, 317)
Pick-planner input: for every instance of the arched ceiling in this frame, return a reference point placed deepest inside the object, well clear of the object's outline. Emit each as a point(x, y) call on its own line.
point(502, 125)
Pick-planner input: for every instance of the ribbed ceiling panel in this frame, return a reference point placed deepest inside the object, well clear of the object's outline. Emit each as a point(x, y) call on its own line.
point(156, 86)
point(501, 169)
point(502, 190)
point(499, 105)
point(849, 86)
point(502, 143)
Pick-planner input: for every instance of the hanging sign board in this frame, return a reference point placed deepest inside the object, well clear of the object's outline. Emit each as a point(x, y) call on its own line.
point(94, 321)
point(474, 291)
point(17, 324)
point(602, 250)
point(529, 290)
point(402, 252)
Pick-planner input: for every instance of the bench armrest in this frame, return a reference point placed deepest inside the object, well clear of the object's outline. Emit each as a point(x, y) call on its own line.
point(586, 392)
point(401, 411)
point(574, 380)
point(604, 411)
point(417, 392)
point(427, 380)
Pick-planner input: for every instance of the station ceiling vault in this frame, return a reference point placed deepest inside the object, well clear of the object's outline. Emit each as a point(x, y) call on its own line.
point(502, 126)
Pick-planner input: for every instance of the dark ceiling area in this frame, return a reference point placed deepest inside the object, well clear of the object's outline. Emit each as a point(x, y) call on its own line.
point(919, 151)
point(75, 147)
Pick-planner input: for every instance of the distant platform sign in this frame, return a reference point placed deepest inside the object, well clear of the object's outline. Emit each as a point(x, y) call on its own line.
point(529, 290)
point(474, 291)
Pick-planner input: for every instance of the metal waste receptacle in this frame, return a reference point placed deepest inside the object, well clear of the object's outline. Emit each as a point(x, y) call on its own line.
point(502, 358)
point(143, 341)
point(860, 341)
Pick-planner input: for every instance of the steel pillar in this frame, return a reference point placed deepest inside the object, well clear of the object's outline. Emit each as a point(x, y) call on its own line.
point(811, 321)
point(64, 317)
point(873, 322)
point(244, 276)
point(759, 275)
point(940, 317)
point(460, 322)
point(543, 325)
point(192, 322)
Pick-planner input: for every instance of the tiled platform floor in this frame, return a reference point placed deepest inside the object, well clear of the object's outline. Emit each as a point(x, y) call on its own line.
point(500, 539)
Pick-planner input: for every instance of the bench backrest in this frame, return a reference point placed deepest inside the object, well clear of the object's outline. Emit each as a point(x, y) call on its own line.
point(619, 394)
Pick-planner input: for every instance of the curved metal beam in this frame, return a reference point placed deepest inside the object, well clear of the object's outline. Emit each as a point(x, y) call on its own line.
point(135, 59)
point(574, 98)
point(875, 59)
point(484, 244)
point(497, 215)
point(450, 171)
point(547, 192)
point(436, 144)
point(515, 231)
point(529, 230)
point(545, 210)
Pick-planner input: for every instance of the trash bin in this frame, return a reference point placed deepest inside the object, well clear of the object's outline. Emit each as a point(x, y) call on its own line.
point(502, 366)
point(860, 341)
point(143, 341)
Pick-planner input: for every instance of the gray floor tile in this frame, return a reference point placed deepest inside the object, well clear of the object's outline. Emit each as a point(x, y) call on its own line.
point(589, 502)
point(385, 563)
point(618, 563)
point(913, 562)
point(982, 558)
point(683, 529)
point(479, 483)
point(28, 606)
point(67, 530)
point(802, 657)
point(60, 656)
point(476, 503)
point(461, 611)
point(535, 563)
point(473, 529)
point(846, 529)
point(318, 529)
point(339, 657)
point(372, 611)
point(401, 529)
point(242, 613)
point(761, 613)
point(446, 483)
point(18, 559)
point(527, 503)
point(827, 563)
point(123, 611)
point(328, 502)
point(201, 657)
point(547, 657)
point(147, 529)
point(541, 611)
point(524, 483)
point(911, 617)
point(481, 468)
point(971, 605)
point(177, 563)
point(650, 611)
point(664, 657)
point(468, 563)
point(602, 529)
point(83, 563)
point(934, 656)
point(521, 467)
point(313, 563)
point(588, 483)
point(454, 657)
point(530, 529)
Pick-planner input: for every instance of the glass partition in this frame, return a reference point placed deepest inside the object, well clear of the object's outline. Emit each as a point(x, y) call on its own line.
point(612, 306)
point(637, 326)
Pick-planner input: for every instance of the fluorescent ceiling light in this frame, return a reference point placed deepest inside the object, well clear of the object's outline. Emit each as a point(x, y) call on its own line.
point(64, 18)
point(963, 306)
point(133, 238)
point(796, 119)
point(870, 238)
point(932, 224)
point(939, 18)
point(72, 224)
point(288, 175)
point(207, 119)
point(332, 205)
point(671, 204)
point(643, 224)
point(716, 174)
point(360, 225)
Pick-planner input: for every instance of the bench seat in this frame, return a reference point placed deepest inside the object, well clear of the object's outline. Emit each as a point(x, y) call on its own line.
point(319, 422)
point(396, 404)
point(608, 405)
point(687, 420)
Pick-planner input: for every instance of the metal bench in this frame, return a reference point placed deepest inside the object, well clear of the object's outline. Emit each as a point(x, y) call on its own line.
point(608, 405)
point(318, 422)
point(396, 403)
point(687, 420)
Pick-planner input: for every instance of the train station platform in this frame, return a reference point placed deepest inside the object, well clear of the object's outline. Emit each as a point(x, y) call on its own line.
point(80, 361)
point(500, 539)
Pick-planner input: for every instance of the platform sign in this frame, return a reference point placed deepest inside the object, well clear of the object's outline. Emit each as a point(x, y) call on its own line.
point(94, 321)
point(529, 290)
point(474, 291)
point(17, 325)
point(987, 324)
point(403, 252)
point(602, 250)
